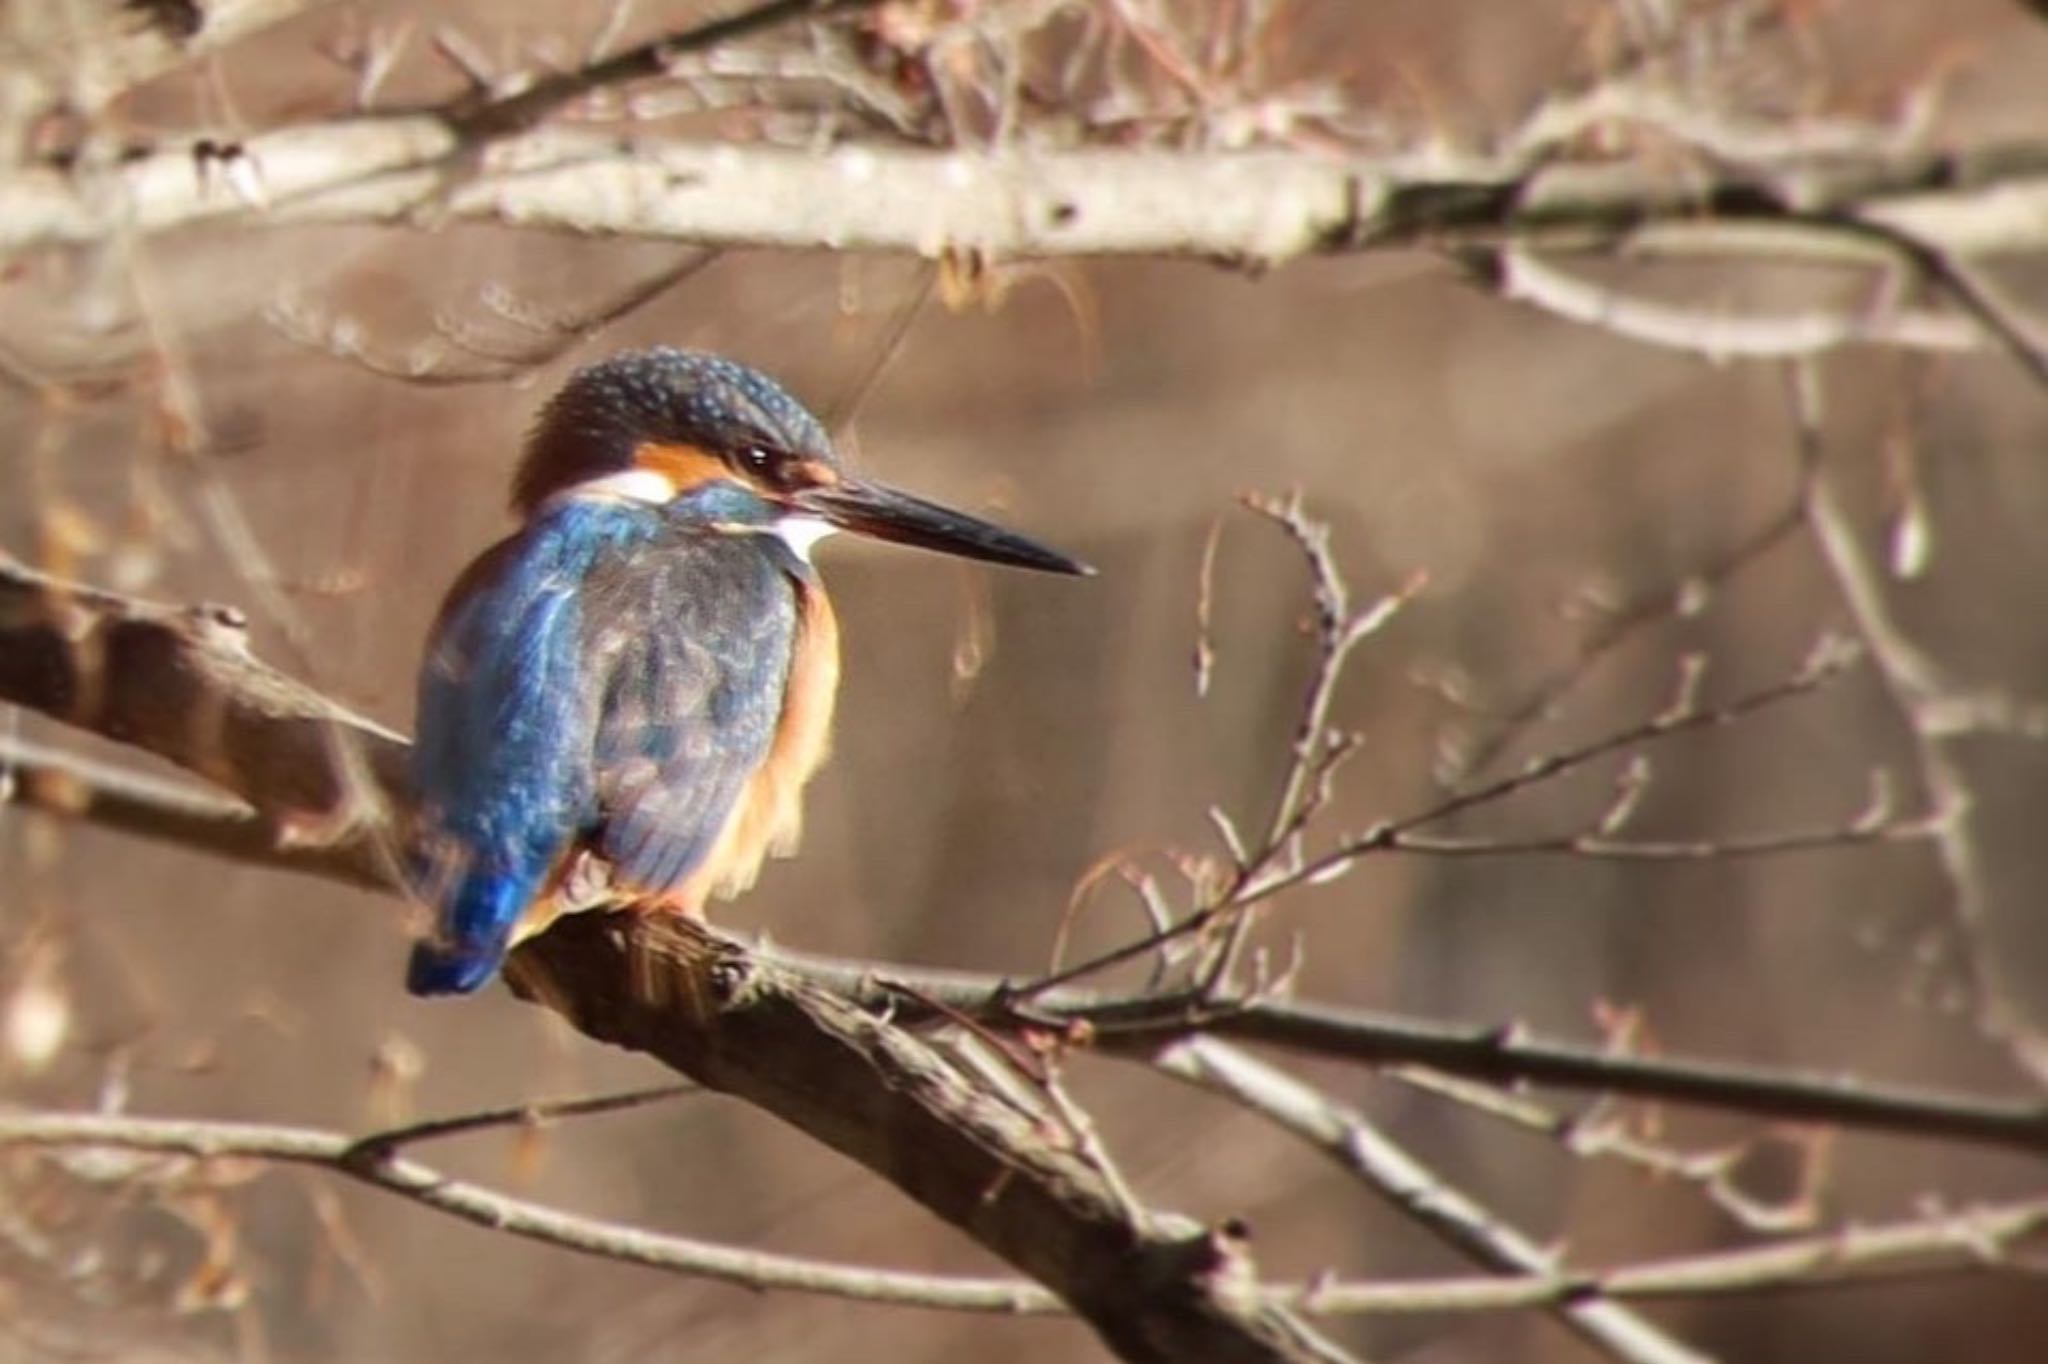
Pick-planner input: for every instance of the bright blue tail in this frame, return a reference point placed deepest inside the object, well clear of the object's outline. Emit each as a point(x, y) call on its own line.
point(475, 929)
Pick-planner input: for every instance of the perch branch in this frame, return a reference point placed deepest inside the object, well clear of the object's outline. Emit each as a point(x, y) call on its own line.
point(183, 671)
point(1157, 1287)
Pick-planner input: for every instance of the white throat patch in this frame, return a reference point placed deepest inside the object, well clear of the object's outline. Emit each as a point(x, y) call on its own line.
point(801, 532)
point(627, 485)
point(651, 488)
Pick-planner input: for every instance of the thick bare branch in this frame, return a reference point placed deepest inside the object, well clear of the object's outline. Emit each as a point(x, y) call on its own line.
point(1156, 1286)
point(182, 684)
point(1138, 1023)
point(182, 670)
point(1258, 207)
point(1482, 1051)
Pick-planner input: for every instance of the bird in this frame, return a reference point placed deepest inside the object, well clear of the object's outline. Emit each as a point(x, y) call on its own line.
point(622, 701)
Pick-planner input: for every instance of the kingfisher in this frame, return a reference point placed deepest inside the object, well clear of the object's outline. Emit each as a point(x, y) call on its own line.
point(621, 702)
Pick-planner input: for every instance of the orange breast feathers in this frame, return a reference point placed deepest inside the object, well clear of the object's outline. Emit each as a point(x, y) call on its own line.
point(768, 817)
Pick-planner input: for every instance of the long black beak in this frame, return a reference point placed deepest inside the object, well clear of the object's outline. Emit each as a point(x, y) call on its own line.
point(886, 514)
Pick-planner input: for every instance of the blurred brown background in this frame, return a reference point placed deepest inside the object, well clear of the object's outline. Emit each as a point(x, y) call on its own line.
point(1002, 733)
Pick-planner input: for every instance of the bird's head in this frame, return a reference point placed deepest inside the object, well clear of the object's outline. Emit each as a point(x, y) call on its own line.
point(683, 428)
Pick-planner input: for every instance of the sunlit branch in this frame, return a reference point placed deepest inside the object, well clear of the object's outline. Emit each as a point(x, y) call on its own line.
point(1350, 1139)
point(1497, 1052)
point(370, 1164)
point(1945, 1243)
point(1603, 1131)
point(1259, 207)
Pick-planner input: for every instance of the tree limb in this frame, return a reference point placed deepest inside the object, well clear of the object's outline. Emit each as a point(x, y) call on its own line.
point(1349, 1138)
point(276, 718)
point(1156, 1286)
point(411, 1180)
point(1256, 207)
point(182, 684)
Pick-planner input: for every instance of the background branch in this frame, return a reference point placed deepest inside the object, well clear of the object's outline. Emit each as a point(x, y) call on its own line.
point(1254, 207)
point(376, 1166)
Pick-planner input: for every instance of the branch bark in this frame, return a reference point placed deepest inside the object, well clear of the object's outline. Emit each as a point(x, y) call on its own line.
point(1254, 207)
point(181, 683)
point(1156, 1286)
point(52, 634)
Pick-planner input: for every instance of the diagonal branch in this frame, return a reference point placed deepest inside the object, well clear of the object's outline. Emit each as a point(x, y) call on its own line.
point(266, 708)
point(1351, 1139)
point(822, 1043)
point(1156, 1286)
point(180, 682)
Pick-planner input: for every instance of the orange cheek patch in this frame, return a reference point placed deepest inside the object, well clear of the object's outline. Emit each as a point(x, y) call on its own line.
point(684, 466)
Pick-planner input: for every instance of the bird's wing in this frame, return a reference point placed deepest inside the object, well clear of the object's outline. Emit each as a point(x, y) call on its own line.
point(506, 718)
point(501, 766)
point(697, 650)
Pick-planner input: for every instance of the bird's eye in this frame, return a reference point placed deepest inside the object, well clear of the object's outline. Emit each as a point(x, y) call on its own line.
point(758, 460)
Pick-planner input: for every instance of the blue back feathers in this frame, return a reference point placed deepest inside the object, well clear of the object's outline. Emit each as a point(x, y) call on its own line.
point(608, 676)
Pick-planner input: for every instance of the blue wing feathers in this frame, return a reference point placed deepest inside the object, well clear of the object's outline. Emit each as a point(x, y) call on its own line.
point(472, 942)
point(595, 677)
point(694, 706)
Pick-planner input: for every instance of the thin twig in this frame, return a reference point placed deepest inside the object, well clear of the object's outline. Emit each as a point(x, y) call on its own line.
point(488, 114)
point(1314, 753)
point(1943, 1243)
point(1828, 662)
point(1618, 626)
point(1936, 712)
point(487, 1208)
point(1349, 1138)
point(1600, 1132)
point(383, 1144)
point(183, 814)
